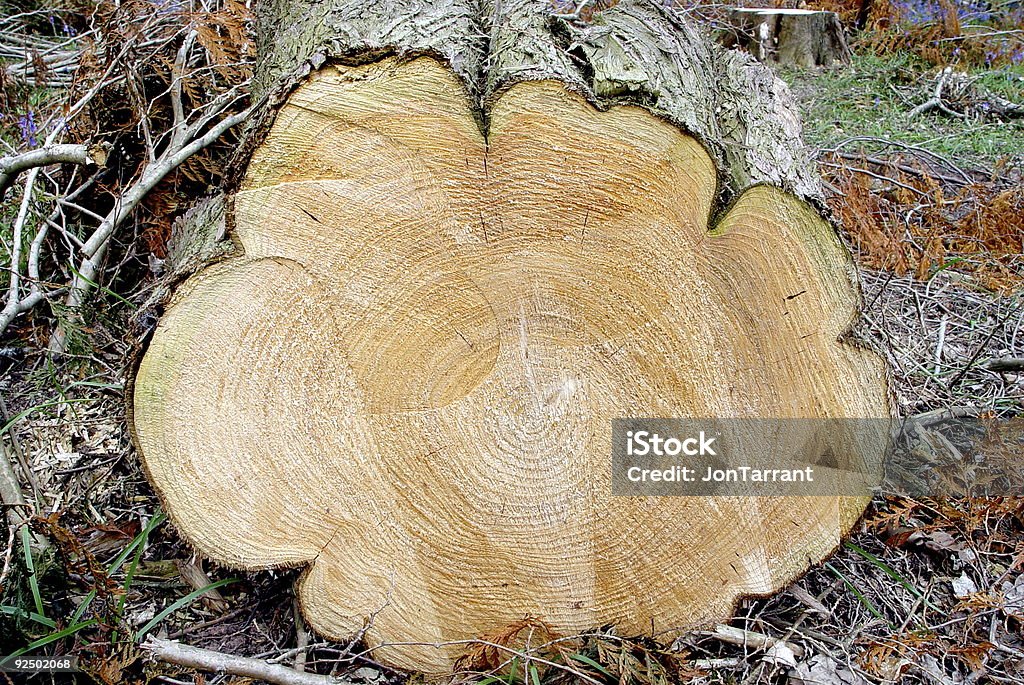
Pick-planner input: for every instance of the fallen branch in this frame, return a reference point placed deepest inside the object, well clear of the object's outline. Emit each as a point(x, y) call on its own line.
point(935, 102)
point(11, 495)
point(1008, 365)
point(905, 168)
point(983, 345)
point(13, 165)
point(969, 176)
point(749, 639)
point(95, 247)
point(959, 88)
point(192, 124)
point(218, 662)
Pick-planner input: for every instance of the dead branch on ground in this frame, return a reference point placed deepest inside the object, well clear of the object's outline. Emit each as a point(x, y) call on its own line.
point(65, 220)
point(955, 89)
point(218, 662)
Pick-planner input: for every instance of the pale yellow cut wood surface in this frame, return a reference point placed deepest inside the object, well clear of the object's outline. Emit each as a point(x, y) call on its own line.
point(407, 382)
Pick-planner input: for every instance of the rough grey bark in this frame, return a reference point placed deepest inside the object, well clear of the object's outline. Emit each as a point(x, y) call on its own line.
point(637, 52)
point(295, 36)
point(198, 238)
point(805, 38)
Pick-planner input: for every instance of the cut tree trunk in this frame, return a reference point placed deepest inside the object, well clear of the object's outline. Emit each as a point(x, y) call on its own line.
point(467, 239)
point(805, 38)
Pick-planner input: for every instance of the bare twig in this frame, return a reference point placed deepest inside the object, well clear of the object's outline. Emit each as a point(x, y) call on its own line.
point(7, 556)
point(991, 34)
point(902, 167)
point(523, 655)
point(944, 162)
point(575, 14)
point(194, 124)
point(746, 638)
point(971, 98)
point(13, 165)
point(218, 662)
point(301, 637)
point(981, 347)
point(940, 344)
point(95, 247)
point(16, 240)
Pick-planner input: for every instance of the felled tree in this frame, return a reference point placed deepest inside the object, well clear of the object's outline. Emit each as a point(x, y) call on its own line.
point(465, 240)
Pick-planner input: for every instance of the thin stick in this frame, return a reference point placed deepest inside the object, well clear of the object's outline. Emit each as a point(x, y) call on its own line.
point(95, 247)
point(981, 347)
point(940, 344)
point(5, 417)
point(936, 99)
point(7, 556)
point(218, 662)
point(301, 637)
point(16, 240)
point(575, 14)
point(494, 645)
point(10, 492)
point(1007, 365)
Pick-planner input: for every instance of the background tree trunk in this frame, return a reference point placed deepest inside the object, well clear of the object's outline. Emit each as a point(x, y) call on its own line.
point(467, 239)
point(805, 38)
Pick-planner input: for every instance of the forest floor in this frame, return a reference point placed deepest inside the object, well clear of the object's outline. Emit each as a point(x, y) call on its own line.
point(925, 590)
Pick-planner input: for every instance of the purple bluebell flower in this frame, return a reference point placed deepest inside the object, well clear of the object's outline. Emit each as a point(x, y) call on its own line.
point(28, 127)
point(930, 11)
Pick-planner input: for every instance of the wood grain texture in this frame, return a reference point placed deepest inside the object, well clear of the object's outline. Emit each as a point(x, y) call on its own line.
point(406, 381)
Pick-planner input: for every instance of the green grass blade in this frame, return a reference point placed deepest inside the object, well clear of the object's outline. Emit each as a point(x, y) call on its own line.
point(108, 291)
point(30, 565)
point(489, 680)
point(130, 575)
point(52, 637)
point(136, 543)
point(891, 572)
point(157, 519)
point(32, 410)
point(513, 670)
point(534, 674)
point(180, 603)
point(140, 546)
point(859, 595)
point(95, 384)
point(584, 659)
point(30, 615)
point(83, 606)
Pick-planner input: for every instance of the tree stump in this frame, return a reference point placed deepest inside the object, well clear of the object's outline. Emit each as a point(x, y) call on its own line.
point(466, 239)
point(805, 38)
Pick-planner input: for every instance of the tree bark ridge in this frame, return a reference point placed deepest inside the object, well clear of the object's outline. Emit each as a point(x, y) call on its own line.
point(638, 52)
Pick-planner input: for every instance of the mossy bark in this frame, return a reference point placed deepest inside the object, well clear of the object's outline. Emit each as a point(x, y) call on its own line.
point(637, 52)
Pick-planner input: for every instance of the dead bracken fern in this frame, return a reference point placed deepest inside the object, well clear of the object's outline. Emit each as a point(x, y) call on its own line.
point(942, 32)
point(529, 652)
point(149, 91)
point(911, 223)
